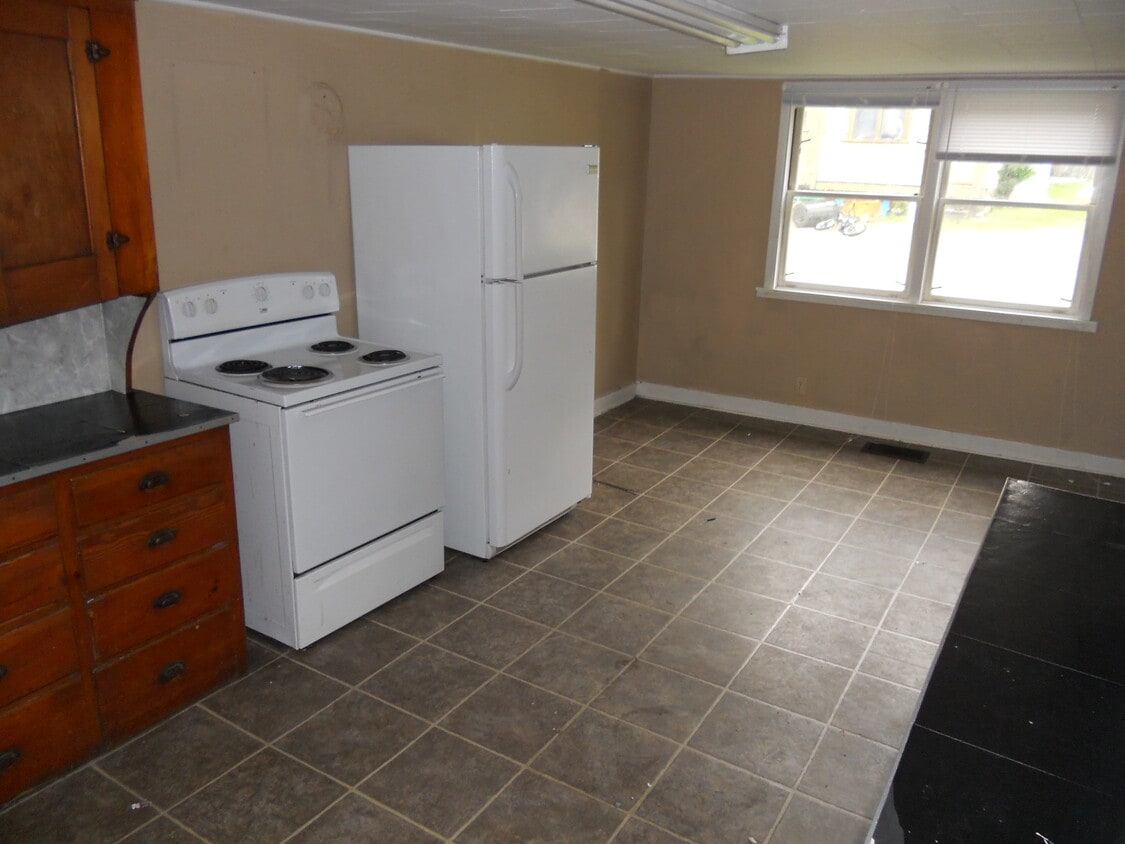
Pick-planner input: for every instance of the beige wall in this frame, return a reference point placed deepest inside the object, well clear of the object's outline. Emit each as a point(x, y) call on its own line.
point(248, 122)
point(711, 167)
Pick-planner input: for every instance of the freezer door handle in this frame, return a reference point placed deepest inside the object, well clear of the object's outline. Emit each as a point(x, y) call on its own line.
point(513, 181)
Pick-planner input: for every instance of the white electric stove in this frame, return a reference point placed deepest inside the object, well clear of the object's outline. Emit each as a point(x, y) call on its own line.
point(337, 452)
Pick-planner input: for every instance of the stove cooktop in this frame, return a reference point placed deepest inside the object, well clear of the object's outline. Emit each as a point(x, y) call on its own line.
point(272, 338)
point(301, 372)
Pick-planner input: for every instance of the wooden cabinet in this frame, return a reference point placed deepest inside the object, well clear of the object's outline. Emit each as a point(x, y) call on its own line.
point(48, 717)
point(120, 601)
point(75, 213)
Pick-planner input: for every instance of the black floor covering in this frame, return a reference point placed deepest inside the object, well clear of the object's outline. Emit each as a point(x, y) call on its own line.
point(1020, 735)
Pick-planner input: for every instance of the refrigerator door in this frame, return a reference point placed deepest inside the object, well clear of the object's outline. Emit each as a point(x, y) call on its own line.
point(546, 197)
point(540, 399)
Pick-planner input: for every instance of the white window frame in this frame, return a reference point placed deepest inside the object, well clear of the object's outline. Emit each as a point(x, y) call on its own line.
point(915, 297)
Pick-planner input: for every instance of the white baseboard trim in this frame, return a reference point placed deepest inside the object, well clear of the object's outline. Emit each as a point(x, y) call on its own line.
point(885, 429)
point(614, 399)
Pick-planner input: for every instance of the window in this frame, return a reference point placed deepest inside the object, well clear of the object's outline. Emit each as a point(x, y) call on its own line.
point(978, 200)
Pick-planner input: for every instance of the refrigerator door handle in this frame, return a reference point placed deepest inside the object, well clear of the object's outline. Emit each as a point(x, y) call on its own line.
point(513, 180)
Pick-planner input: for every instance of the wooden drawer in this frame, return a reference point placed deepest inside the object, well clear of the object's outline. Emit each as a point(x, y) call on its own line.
point(30, 581)
point(36, 654)
point(138, 689)
point(45, 734)
point(27, 515)
point(126, 549)
point(151, 477)
point(152, 606)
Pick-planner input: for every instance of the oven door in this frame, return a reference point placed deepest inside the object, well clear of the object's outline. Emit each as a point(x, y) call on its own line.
point(362, 464)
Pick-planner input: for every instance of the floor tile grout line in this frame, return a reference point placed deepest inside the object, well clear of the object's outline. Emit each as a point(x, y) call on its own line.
point(96, 763)
point(139, 798)
point(353, 791)
point(790, 790)
point(683, 745)
point(582, 706)
point(348, 788)
point(828, 720)
point(586, 707)
point(754, 466)
point(826, 460)
point(851, 680)
point(272, 745)
point(854, 672)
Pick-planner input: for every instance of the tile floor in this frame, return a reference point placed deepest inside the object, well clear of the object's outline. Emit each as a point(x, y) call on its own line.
point(726, 642)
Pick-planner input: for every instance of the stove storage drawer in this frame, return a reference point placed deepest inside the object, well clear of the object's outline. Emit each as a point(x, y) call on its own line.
point(36, 653)
point(150, 606)
point(45, 734)
point(150, 477)
point(140, 687)
point(190, 524)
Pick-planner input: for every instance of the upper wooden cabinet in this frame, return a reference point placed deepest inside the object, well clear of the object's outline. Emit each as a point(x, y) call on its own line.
point(75, 214)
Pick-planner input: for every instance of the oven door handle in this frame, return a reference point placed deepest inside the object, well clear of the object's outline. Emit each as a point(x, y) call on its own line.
point(326, 405)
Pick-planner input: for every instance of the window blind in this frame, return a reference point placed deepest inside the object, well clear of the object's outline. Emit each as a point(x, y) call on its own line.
point(1035, 125)
point(877, 95)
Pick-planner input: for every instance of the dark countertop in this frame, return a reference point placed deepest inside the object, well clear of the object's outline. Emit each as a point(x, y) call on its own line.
point(1020, 734)
point(45, 439)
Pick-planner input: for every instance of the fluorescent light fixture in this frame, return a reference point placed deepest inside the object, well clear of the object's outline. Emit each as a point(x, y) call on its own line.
point(738, 31)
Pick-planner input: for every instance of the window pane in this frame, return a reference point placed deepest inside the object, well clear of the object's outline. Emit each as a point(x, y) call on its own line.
point(1005, 254)
point(1071, 184)
point(862, 150)
point(861, 245)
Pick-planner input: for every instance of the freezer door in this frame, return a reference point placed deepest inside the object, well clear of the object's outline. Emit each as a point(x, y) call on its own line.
point(544, 197)
point(540, 388)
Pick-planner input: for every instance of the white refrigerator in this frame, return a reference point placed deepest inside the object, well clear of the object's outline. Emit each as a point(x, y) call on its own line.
point(488, 256)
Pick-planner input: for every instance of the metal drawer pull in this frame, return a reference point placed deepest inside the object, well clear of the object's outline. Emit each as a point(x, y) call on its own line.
point(169, 598)
point(171, 671)
point(152, 480)
point(9, 757)
point(3, 671)
point(161, 537)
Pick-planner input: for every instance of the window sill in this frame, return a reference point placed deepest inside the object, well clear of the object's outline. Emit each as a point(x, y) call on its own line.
point(932, 309)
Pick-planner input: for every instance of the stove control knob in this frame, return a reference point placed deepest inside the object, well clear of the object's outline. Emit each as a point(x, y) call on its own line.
point(210, 305)
point(325, 289)
point(261, 294)
point(188, 309)
point(308, 291)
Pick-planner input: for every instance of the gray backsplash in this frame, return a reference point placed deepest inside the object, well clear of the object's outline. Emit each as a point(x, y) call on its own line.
point(67, 355)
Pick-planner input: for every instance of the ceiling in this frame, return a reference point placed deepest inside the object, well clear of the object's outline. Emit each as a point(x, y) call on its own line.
point(826, 37)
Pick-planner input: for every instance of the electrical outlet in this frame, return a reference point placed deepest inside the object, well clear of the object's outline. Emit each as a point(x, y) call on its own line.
point(802, 386)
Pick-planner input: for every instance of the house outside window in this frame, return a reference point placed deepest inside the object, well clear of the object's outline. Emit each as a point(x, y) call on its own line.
point(966, 199)
point(878, 124)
